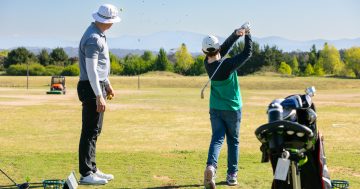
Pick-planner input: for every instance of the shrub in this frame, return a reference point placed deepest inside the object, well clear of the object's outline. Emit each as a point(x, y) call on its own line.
point(285, 69)
point(53, 70)
point(72, 70)
point(17, 69)
point(35, 69)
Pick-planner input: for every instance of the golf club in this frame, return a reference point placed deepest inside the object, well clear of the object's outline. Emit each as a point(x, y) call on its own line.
point(19, 186)
point(246, 25)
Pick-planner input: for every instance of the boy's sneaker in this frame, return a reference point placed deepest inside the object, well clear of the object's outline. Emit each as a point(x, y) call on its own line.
point(92, 179)
point(209, 177)
point(102, 175)
point(231, 179)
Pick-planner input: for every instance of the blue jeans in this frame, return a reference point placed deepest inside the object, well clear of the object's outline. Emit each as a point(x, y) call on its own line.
point(225, 123)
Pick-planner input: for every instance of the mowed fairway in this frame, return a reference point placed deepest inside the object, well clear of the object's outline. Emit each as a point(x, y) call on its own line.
point(158, 136)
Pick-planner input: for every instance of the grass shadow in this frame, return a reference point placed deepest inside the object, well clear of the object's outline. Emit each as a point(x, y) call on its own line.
point(185, 186)
point(32, 185)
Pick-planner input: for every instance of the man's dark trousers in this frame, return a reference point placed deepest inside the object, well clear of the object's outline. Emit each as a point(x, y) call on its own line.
point(91, 127)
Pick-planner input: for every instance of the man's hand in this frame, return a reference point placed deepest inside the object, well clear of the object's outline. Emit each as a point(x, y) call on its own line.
point(110, 93)
point(100, 104)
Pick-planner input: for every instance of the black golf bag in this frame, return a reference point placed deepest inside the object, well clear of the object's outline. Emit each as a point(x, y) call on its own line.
point(292, 129)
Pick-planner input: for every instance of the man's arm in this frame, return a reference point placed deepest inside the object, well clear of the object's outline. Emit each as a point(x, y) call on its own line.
point(92, 50)
point(93, 76)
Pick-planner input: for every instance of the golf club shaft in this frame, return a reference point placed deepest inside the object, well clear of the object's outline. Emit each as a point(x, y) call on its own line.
point(202, 90)
point(8, 177)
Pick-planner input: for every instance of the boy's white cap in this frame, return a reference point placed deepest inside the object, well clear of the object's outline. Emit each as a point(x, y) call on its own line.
point(107, 14)
point(210, 44)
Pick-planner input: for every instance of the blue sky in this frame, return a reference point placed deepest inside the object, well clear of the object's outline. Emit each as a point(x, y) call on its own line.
point(297, 20)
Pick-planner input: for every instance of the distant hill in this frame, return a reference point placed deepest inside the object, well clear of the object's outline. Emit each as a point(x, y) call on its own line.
point(170, 41)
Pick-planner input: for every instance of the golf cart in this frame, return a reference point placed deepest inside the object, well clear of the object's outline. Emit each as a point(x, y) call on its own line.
point(57, 85)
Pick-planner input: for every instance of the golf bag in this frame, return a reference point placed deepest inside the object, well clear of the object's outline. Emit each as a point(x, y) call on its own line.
point(292, 129)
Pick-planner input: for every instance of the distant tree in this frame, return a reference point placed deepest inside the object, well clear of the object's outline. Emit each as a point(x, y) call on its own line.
point(134, 65)
point(329, 58)
point(149, 59)
point(309, 70)
point(59, 57)
point(198, 67)
point(115, 67)
point(294, 64)
point(254, 64)
point(43, 57)
point(184, 60)
point(352, 60)
point(284, 69)
point(318, 69)
point(313, 55)
point(73, 60)
point(147, 56)
point(3, 55)
point(272, 56)
point(162, 63)
point(19, 56)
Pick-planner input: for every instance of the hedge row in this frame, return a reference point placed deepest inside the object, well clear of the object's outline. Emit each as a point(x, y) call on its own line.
point(36, 69)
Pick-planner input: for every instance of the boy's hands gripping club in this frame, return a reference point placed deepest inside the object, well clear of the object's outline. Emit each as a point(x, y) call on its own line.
point(244, 29)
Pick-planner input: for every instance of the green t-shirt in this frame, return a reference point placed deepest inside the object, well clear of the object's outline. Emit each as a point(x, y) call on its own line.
point(225, 95)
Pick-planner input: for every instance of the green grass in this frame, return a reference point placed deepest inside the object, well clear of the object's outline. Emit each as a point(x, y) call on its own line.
point(158, 136)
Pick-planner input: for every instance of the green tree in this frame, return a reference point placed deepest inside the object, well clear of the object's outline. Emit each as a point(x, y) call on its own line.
point(352, 60)
point(3, 55)
point(59, 57)
point(318, 69)
point(162, 63)
point(149, 59)
point(43, 57)
point(115, 67)
point(313, 55)
point(73, 60)
point(254, 64)
point(272, 56)
point(284, 69)
point(198, 67)
point(294, 66)
point(19, 56)
point(309, 70)
point(134, 65)
point(147, 56)
point(329, 58)
point(184, 60)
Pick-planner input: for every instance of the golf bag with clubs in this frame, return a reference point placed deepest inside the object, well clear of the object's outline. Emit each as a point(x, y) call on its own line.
point(293, 145)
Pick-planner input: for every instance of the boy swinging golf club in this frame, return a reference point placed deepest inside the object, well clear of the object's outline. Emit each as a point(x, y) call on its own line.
point(225, 101)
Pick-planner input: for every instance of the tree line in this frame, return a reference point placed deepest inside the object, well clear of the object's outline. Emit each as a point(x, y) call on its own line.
point(328, 61)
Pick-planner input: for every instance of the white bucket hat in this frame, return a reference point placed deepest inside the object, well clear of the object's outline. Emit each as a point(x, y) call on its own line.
point(107, 14)
point(210, 44)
